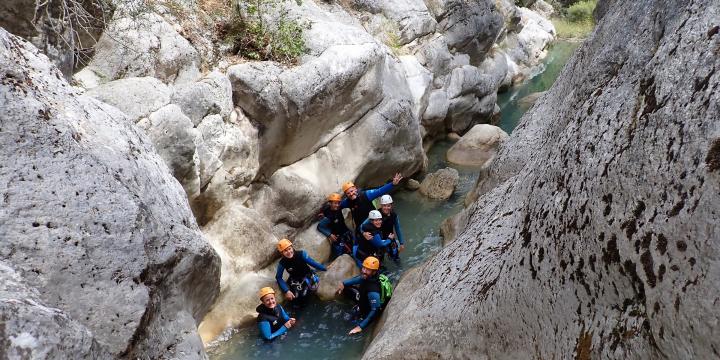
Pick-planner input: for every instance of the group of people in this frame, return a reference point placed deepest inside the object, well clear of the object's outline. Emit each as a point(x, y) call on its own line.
point(375, 233)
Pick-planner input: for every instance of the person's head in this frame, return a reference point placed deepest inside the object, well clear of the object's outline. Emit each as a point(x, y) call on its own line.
point(370, 267)
point(375, 218)
point(334, 201)
point(285, 248)
point(350, 190)
point(267, 297)
point(386, 204)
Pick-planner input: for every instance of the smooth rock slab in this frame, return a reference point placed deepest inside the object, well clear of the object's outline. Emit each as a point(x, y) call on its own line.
point(340, 269)
point(478, 146)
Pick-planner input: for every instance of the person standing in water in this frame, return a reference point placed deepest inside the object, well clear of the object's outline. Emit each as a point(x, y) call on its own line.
point(272, 320)
point(333, 226)
point(371, 242)
point(360, 201)
point(370, 290)
point(302, 278)
point(391, 227)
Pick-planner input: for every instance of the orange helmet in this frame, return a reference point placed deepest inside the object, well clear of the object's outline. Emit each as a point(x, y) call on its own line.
point(283, 244)
point(266, 291)
point(334, 197)
point(371, 263)
point(347, 185)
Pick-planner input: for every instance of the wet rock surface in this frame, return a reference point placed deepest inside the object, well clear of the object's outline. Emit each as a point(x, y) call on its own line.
point(594, 235)
point(440, 184)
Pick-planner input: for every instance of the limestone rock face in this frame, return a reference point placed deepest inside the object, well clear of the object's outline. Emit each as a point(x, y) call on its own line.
point(93, 224)
point(137, 97)
point(440, 184)
point(478, 147)
point(595, 235)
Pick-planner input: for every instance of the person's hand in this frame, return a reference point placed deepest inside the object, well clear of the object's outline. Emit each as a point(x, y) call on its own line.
point(333, 237)
point(391, 236)
point(397, 178)
point(367, 235)
point(340, 289)
point(402, 247)
point(293, 321)
point(355, 330)
point(289, 295)
point(290, 323)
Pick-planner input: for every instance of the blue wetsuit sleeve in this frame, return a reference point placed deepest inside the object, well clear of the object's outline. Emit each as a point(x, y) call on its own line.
point(312, 262)
point(373, 194)
point(355, 256)
point(374, 298)
point(283, 315)
point(353, 281)
point(266, 333)
point(378, 242)
point(366, 221)
point(345, 203)
point(398, 232)
point(279, 278)
point(324, 227)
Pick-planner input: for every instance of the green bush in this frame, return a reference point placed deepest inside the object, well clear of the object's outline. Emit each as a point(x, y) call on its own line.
point(582, 11)
point(251, 37)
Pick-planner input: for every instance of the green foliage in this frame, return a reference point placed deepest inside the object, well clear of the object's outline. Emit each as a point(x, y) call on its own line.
point(581, 11)
point(577, 20)
point(254, 37)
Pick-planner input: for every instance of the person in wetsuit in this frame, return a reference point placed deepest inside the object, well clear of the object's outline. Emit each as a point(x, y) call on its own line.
point(297, 263)
point(360, 201)
point(272, 320)
point(370, 242)
point(366, 290)
point(391, 227)
point(333, 226)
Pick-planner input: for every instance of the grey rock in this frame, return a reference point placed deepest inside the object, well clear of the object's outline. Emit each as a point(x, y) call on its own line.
point(412, 185)
point(440, 184)
point(471, 27)
point(599, 215)
point(478, 146)
point(434, 116)
point(527, 101)
point(94, 221)
point(340, 269)
point(137, 97)
point(212, 95)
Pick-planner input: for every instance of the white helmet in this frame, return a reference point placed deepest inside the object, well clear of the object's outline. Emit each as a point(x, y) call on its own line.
point(374, 214)
point(385, 199)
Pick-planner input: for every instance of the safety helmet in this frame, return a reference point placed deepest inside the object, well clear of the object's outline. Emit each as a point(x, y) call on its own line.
point(283, 244)
point(334, 197)
point(374, 214)
point(385, 199)
point(347, 185)
point(265, 291)
point(371, 263)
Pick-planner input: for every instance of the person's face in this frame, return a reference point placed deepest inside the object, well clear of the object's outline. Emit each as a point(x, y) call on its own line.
point(386, 208)
point(289, 252)
point(377, 222)
point(366, 273)
point(334, 205)
point(352, 193)
point(269, 301)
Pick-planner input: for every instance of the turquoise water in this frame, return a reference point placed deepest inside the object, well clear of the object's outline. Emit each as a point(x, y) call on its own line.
point(322, 327)
point(510, 110)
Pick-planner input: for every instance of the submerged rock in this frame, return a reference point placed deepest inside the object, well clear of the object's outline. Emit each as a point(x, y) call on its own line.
point(440, 184)
point(108, 259)
point(594, 235)
point(412, 184)
point(478, 147)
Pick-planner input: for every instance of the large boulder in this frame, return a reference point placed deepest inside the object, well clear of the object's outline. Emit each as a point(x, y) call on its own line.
point(440, 184)
point(478, 146)
point(340, 269)
point(595, 233)
point(137, 97)
point(94, 224)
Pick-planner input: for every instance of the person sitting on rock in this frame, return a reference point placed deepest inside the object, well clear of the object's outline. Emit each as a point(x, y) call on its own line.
point(333, 226)
point(391, 227)
point(360, 201)
point(370, 290)
point(370, 243)
point(302, 278)
point(272, 319)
